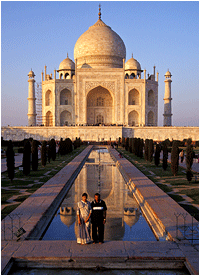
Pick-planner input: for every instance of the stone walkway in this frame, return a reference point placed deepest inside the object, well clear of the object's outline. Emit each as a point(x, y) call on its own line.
point(38, 209)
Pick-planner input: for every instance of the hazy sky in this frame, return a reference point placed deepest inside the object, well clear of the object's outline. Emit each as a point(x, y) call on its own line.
point(160, 33)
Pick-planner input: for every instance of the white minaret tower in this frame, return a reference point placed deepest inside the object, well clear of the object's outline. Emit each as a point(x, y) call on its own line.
point(167, 100)
point(31, 100)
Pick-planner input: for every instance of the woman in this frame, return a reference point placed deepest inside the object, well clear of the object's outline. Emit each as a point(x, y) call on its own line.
point(83, 213)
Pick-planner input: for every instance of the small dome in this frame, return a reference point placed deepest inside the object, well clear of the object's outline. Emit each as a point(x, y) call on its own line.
point(31, 74)
point(67, 64)
point(132, 64)
point(168, 74)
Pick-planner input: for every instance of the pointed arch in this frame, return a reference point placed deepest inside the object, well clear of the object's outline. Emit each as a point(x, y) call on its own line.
point(151, 98)
point(65, 97)
point(99, 106)
point(150, 119)
point(133, 97)
point(49, 119)
point(48, 98)
point(65, 118)
point(133, 118)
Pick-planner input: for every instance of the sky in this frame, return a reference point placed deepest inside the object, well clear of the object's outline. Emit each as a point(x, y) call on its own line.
point(160, 33)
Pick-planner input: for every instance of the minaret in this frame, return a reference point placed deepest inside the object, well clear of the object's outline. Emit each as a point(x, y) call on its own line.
point(167, 100)
point(31, 100)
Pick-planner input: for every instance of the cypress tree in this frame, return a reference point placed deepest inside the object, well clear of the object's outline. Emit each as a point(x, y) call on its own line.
point(141, 147)
point(44, 153)
point(146, 150)
point(150, 150)
point(26, 157)
point(49, 151)
point(34, 150)
point(68, 145)
point(189, 160)
point(165, 155)
point(174, 158)
point(127, 144)
point(53, 149)
point(130, 145)
point(157, 155)
point(10, 158)
point(189, 154)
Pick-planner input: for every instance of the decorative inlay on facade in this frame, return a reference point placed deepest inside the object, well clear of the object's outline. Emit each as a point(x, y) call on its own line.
point(89, 85)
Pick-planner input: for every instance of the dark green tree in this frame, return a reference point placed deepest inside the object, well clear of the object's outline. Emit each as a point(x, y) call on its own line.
point(10, 158)
point(141, 147)
point(146, 150)
point(165, 155)
point(27, 157)
point(130, 145)
point(68, 145)
point(127, 144)
point(189, 159)
point(34, 151)
point(174, 158)
point(157, 155)
point(44, 153)
point(53, 149)
point(150, 150)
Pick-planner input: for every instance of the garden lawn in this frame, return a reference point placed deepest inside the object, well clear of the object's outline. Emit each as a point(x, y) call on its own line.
point(174, 186)
point(21, 184)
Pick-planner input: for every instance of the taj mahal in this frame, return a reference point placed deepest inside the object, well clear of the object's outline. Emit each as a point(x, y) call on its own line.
point(100, 87)
point(100, 95)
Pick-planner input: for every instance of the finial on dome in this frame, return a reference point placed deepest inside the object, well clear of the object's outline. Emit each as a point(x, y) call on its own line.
point(99, 11)
point(67, 55)
point(132, 55)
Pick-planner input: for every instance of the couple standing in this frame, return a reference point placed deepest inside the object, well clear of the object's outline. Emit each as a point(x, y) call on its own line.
point(96, 210)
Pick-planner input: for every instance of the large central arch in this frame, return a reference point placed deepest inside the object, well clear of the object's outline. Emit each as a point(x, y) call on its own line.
point(99, 106)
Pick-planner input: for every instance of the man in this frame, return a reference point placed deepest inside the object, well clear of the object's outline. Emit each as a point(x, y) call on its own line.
point(98, 218)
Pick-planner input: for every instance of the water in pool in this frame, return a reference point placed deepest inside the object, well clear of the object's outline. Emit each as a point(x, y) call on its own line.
point(124, 219)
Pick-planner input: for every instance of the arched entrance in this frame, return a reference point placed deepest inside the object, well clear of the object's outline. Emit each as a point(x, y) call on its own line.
point(65, 118)
point(49, 119)
point(133, 118)
point(99, 106)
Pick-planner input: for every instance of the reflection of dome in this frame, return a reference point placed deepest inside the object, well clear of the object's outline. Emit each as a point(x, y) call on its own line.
point(67, 64)
point(68, 220)
point(131, 220)
point(100, 47)
point(132, 64)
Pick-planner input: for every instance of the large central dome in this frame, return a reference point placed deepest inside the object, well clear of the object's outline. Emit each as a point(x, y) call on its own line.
point(99, 47)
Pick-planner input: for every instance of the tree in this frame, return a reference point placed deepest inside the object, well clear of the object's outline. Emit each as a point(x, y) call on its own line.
point(10, 158)
point(68, 145)
point(157, 155)
point(146, 150)
point(53, 149)
point(26, 157)
point(44, 153)
point(189, 159)
point(141, 148)
point(34, 150)
point(165, 155)
point(174, 158)
point(127, 144)
point(150, 150)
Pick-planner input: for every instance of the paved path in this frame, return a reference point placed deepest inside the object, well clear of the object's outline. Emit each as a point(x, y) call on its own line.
point(113, 255)
point(36, 212)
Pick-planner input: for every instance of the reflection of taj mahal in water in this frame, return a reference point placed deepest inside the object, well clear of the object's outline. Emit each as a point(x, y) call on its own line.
point(120, 203)
point(100, 87)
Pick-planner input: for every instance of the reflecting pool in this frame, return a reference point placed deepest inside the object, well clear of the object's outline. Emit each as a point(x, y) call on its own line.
point(124, 219)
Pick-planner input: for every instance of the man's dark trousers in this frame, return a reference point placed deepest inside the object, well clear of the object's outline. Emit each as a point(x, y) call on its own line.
point(100, 228)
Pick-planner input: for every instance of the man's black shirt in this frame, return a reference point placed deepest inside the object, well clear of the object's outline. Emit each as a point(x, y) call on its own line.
point(98, 211)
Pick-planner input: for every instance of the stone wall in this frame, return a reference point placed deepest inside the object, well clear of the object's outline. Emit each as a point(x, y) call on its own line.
point(99, 133)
